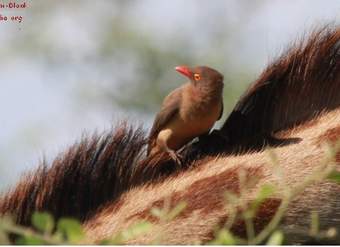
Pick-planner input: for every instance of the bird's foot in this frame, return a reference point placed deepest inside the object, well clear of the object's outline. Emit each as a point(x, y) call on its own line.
point(175, 157)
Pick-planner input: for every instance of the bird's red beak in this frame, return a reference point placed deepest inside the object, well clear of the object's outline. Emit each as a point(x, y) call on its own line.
point(184, 71)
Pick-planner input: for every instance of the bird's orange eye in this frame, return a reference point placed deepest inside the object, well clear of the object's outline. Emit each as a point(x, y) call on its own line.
point(197, 77)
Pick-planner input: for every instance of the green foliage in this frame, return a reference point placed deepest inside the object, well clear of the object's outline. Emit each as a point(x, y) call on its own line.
point(264, 193)
point(224, 237)
point(334, 176)
point(314, 227)
point(167, 215)
point(276, 238)
point(3, 238)
point(71, 230)
point(67, 231)
point(133, 231)
point(43, 222)
point(29, 240)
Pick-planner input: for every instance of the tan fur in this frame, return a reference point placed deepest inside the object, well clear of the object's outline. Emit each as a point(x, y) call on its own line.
point(296, 162)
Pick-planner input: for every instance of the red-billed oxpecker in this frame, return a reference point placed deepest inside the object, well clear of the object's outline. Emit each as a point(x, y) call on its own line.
point(188, 111)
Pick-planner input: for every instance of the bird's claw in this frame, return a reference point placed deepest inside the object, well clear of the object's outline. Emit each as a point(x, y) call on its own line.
point(175, 157)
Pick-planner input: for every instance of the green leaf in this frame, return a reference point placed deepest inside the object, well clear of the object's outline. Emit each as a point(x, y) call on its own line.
point(43, 222)
point(113, 241)
point(4, 238)
point(135, 230)
point(57, 237)
point(29, 240)
point(314, 227)
point(6, 220)
point(276, 238)
point(265, 192)
point(224, 237)
point(334, 176)
point(157, 212)
point(71, 229)
point(176, 210)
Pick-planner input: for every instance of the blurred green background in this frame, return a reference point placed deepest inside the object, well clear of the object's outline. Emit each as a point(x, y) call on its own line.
point(80, 66)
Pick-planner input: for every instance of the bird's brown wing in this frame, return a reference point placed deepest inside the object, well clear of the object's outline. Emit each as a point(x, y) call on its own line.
point(169, 110)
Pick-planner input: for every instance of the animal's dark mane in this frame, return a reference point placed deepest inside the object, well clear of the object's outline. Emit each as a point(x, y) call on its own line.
point(291, 90)
point(87, 175)
point(98, 169)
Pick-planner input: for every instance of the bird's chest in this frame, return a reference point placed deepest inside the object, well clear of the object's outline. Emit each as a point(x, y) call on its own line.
point(201, 118)
point(187, 127)
point(196, 104)
point(198, 114)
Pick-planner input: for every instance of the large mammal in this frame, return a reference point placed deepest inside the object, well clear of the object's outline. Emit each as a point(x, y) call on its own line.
point(292, 107)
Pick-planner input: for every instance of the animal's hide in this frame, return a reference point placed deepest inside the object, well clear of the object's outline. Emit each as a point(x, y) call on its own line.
point(203, 189)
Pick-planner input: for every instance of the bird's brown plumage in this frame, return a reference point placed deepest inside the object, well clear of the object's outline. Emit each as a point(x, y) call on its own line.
point(189, 111)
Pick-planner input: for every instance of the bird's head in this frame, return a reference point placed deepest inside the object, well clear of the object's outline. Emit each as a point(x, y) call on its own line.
point(201, 75)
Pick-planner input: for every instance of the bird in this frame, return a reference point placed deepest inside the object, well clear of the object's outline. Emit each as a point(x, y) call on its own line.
point(188, 112)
